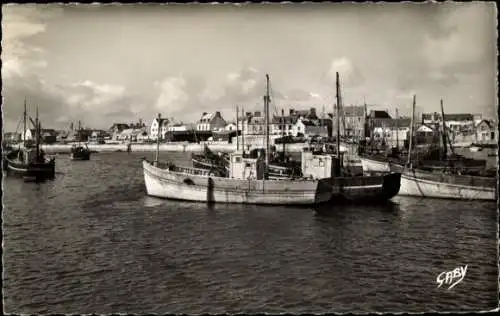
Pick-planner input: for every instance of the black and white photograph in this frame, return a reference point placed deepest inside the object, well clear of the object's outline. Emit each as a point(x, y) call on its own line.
point(248, 158)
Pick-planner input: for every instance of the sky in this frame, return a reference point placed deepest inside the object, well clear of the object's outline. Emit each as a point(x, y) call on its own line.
point(103, 64)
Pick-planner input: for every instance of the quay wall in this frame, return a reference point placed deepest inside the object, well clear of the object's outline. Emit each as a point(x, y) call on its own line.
point(172, 147)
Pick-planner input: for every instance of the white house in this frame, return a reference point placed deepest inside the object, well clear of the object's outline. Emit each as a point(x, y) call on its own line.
point(158, 128)
point(230, 127)
point(210, 122)
point(486, 132)
point(461, 122)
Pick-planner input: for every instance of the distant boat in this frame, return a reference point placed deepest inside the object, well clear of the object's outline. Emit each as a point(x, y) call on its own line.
point(79, 152)
point(28, 160)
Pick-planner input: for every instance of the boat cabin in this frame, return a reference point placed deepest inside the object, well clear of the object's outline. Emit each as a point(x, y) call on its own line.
point(27, 155)
point(318, 165)
point(246, 168)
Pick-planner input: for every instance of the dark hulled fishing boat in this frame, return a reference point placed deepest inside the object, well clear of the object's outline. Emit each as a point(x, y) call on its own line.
point(79, 152)
point(28, 160)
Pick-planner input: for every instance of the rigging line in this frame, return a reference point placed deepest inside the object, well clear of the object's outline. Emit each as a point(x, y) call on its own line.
point(275, 110)
point(19, 123)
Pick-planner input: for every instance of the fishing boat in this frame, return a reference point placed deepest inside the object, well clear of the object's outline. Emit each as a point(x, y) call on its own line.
point(450, 181)
point(79, 152)
point(28, 160)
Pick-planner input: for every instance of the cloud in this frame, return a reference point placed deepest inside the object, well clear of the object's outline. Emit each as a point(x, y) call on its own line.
point(19, 24)
point(172, 93)
point(433, 50)
point(302, 95)
point(349, 74)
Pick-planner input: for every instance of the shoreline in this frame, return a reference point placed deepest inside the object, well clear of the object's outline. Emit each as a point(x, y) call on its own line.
point(165, 147)
point(175, 147)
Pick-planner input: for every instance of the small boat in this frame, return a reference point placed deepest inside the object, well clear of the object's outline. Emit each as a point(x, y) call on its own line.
point(79, 152)
point(28, 160)
point(475, 149)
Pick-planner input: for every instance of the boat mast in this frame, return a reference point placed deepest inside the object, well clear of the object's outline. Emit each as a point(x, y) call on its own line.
point(397, 129)
point(237, 130)
point(242, 129)
point(37, 133)
point(79, 132)
point(24, 123)
point(283, 130)
point(338, 115)
point(266, 108)
point(443, 135)
point(411, 130)
point(158, 140)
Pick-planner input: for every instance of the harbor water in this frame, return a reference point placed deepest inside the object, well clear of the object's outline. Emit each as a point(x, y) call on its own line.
point(91, 241)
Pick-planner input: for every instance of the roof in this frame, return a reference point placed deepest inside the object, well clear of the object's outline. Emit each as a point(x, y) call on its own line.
point(400, 122)
point(449, 117)
point(209, 116)
point(459, 117)
point(354, 110)
point(119, 125)
point(487, 122)
point(379, 114)
point(426, 125)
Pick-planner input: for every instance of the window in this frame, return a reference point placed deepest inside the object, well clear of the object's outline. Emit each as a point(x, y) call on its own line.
point(492, 135)
point(237, 159)
point(248, 165)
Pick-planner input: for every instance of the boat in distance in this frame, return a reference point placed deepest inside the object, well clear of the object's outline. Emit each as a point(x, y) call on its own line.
point(79, 153)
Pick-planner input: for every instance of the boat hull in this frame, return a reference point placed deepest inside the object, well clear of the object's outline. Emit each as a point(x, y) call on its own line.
point(372, 165)
point(32, 171)
point(366, 189)
point(168, 184)
point(421, 184)
point(83, 155)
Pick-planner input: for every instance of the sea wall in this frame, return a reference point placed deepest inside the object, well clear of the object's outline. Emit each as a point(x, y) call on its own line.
point(173, 147)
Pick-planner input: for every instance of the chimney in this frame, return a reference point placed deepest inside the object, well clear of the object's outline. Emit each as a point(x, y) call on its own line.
point(217, 113)
point(204, 113)
point(257, 113)
point(313, 111)
point(291, 111)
